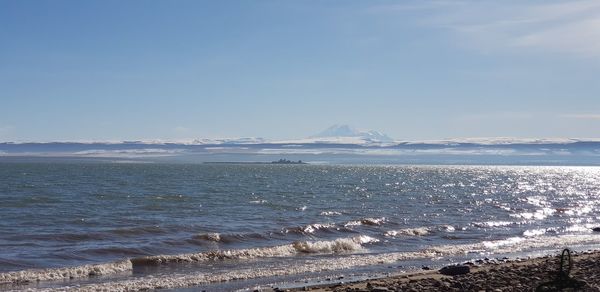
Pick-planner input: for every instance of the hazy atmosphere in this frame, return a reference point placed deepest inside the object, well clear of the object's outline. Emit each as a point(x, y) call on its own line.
point(123, 70)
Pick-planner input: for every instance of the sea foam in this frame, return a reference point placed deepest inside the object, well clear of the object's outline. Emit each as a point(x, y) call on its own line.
point(65, 273)
point(331, 264)
point(331, 246)
point(512, 244)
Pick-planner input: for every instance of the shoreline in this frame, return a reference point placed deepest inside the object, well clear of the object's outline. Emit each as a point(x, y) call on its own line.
point(514, 274)
point(484, 275)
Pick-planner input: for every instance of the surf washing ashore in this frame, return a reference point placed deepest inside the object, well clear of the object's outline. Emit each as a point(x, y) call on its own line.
point(492, 275)
point(115, 226)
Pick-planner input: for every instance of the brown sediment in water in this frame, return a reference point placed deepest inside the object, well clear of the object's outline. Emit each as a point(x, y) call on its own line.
point(514, 275)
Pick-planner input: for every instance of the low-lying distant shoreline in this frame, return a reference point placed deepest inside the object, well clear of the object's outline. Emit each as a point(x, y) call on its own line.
point(493, 275)
point(287, 162)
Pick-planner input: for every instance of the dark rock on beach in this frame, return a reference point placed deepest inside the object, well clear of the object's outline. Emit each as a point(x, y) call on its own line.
point(455, 270)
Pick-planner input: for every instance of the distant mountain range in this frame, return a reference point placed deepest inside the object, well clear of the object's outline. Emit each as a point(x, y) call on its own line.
point(336, 134)
point(339, 143)
point(348, 131)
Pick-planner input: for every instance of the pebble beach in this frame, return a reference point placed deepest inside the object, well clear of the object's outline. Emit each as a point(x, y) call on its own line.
point(493, 275)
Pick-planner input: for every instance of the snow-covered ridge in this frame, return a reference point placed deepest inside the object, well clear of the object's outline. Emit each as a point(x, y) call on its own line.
point(336, 131)
point(336, 134)
point(324, 140)
point(335, 140)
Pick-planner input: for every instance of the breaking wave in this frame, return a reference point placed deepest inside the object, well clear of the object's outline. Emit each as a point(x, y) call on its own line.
point(311, 228)
point(488, 224)
point(330, 213)
point(512, 244)
point(333, 246)
point(366, 221)
point(65, 273)
point(419, 231)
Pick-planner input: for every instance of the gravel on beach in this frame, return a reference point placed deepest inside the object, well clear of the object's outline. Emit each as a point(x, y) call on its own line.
point(493, 275)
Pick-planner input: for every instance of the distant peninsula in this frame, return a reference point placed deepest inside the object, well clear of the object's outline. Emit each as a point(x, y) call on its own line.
point(280, 161)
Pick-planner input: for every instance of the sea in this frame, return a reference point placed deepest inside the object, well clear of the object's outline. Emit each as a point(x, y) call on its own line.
point(237, 227)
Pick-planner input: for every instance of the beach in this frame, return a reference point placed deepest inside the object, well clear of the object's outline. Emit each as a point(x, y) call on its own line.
point(490, 275)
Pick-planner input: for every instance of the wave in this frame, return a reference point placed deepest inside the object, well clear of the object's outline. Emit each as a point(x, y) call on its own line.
point(311, 228)
point(340, 245)
point(333, 246)
point(419, 231)
point(30, 275)
point(488, 224)
point(330, 213)
point(366, 221)
point(513, 244)
point(215, 237)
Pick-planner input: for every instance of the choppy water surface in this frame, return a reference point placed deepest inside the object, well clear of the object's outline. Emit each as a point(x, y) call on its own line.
point(193, 224)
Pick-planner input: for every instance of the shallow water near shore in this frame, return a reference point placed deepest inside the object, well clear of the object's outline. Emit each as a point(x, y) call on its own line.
point(138, 225)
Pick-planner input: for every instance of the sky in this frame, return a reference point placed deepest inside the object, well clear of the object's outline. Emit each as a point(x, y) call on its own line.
point(415, 70)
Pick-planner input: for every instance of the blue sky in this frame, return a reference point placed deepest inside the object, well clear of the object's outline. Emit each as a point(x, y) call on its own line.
point(115, 70)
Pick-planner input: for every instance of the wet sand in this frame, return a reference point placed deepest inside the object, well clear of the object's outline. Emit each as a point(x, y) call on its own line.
point(492, 275)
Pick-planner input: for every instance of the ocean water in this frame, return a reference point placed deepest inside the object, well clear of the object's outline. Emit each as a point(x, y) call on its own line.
point(143, 225)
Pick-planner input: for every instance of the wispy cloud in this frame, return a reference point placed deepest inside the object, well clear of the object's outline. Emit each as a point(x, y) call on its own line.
point(570, 27)
point(581, 116)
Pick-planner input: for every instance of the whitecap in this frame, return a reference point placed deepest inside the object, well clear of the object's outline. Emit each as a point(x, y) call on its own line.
point(330, 213)
point(493, 224)
point(419, 231)
point(366, 221)
point(311, 228)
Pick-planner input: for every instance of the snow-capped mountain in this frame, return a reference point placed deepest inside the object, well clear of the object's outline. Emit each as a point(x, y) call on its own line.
point(337, 131)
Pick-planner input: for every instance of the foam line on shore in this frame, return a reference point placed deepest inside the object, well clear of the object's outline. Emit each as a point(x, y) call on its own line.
point(65, 273)
point(514, 244)
point(347, 262)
